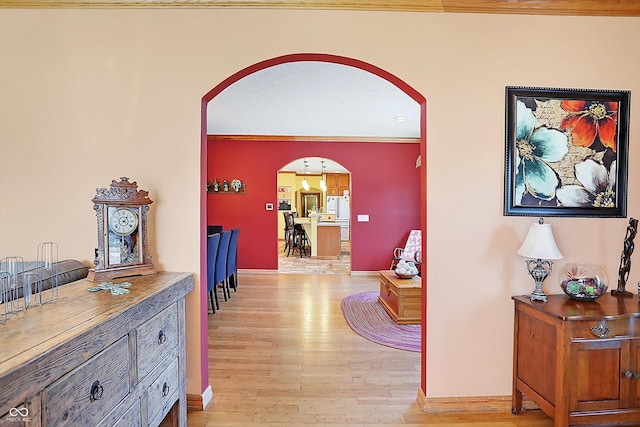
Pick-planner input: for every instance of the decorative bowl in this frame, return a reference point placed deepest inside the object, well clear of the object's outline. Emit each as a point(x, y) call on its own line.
point(583, 282)
point(405, 276)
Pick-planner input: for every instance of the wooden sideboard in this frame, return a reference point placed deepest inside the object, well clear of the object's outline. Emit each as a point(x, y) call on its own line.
point(97, 359)
point(401, 298)
point(578, 361)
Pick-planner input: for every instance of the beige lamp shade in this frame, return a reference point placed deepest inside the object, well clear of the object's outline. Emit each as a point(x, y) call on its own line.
point(539, 243)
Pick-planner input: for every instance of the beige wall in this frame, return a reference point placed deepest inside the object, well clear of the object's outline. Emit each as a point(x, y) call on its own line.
point(91, 95)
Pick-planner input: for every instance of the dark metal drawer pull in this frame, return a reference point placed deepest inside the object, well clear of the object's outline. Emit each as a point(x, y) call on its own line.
point(600, 331)
point(165, 390)
point(96, 391)
point(162, 337)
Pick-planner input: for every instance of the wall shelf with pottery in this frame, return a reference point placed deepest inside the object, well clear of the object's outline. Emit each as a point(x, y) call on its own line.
point(234, 186)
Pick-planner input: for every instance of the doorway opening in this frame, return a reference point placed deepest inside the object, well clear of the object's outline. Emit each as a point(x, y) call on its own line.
point(304, 131)
point(315, 191)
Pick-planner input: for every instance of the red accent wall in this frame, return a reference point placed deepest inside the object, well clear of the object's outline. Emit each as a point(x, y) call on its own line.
point(384, 184)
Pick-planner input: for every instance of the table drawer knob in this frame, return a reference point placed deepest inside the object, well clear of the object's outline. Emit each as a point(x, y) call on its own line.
point(600, 331)
point(165, 390)
point(162, 337)
point(96, 391)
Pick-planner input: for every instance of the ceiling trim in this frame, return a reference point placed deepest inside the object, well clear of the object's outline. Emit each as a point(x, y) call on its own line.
point(525, 7)
point(311, 138)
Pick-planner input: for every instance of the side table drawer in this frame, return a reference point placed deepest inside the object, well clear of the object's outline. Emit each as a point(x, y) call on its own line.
point(602, 328)
point(88, 393)
point(163, 392)
point(156, 338)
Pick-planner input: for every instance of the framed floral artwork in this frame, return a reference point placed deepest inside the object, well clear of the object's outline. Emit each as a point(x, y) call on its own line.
point(566, 152)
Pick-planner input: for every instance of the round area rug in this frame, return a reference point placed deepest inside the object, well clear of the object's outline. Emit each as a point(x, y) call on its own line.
point(367, 318)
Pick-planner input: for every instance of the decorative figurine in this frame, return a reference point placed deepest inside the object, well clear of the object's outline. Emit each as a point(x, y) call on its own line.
point(625, 259)
point(216, 186)
point(225, 186)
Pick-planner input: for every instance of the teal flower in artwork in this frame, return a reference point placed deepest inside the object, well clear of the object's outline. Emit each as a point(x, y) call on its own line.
point(537, 147)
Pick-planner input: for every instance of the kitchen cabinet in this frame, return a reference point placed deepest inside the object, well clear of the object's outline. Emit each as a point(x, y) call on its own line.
point(337, 183)
point(578, 361)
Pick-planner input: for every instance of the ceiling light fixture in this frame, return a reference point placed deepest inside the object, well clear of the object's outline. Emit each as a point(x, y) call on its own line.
point(323, 185)
point(305, 183)
point(401, 118)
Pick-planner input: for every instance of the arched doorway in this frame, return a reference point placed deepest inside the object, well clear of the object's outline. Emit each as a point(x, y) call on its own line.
point(320, 186)
point(319, 58)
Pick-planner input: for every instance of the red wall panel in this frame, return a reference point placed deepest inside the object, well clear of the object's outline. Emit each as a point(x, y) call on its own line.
point(385, 185)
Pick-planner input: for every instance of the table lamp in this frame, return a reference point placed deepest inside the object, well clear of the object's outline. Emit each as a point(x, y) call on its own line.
point(541, 247)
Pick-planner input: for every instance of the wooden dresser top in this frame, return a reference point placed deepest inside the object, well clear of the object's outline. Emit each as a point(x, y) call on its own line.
point(565, 308)
point(39, 329)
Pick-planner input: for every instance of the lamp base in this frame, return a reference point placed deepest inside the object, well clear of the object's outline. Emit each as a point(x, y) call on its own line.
point(539, 270)
point(538, 296)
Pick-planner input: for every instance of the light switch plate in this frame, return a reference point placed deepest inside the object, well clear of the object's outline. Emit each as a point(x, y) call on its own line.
point(363, 218)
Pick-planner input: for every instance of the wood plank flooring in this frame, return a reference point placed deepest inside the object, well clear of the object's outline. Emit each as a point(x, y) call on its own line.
point(281, 354)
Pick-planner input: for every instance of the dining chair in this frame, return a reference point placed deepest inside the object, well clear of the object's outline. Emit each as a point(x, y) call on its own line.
point(221, 264)
point(232, 260)
point(297, 237)
point(287, 233)
point(213, 241)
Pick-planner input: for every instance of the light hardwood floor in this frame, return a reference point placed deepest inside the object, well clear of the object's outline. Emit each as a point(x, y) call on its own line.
point(281, 354)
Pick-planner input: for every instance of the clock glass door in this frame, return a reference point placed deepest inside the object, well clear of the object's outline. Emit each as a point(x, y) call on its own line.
point(123, 225)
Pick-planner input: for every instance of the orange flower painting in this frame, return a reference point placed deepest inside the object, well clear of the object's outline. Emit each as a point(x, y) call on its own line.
point(590, 119)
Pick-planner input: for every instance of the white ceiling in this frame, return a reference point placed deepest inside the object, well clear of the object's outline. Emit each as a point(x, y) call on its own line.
point(314, 99)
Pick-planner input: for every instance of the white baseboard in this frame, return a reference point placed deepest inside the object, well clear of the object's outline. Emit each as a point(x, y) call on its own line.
point(198, 402)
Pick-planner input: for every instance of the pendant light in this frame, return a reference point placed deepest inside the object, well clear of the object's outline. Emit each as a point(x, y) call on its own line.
point(305, 183)
point(323, 185)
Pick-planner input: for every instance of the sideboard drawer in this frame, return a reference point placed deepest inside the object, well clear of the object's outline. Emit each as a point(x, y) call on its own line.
point(156, 338)
point(603, 328)
point(88, 393)
point(131, 418)
point(161, 391)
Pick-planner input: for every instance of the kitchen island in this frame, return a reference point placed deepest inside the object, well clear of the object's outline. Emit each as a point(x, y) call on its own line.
point(323, 233)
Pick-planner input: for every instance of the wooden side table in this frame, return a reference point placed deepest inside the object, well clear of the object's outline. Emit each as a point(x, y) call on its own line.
point(578, 361)
point(401, 298)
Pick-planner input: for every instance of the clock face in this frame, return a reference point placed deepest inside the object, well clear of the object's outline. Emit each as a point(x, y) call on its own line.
point(123, 221)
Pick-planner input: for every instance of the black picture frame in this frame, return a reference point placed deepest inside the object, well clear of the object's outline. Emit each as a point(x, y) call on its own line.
point(566, 152)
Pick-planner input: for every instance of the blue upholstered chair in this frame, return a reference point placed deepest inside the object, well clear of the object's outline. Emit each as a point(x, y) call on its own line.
point(213, 242)
point(232, 260)
point(221, 264)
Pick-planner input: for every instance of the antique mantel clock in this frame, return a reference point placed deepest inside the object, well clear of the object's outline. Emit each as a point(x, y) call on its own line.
point(122, 232)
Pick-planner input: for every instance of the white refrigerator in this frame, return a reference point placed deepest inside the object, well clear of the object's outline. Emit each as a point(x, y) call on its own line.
point(341, 207)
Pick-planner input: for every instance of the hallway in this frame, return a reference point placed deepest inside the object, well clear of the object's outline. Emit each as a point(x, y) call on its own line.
point(281, 354)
